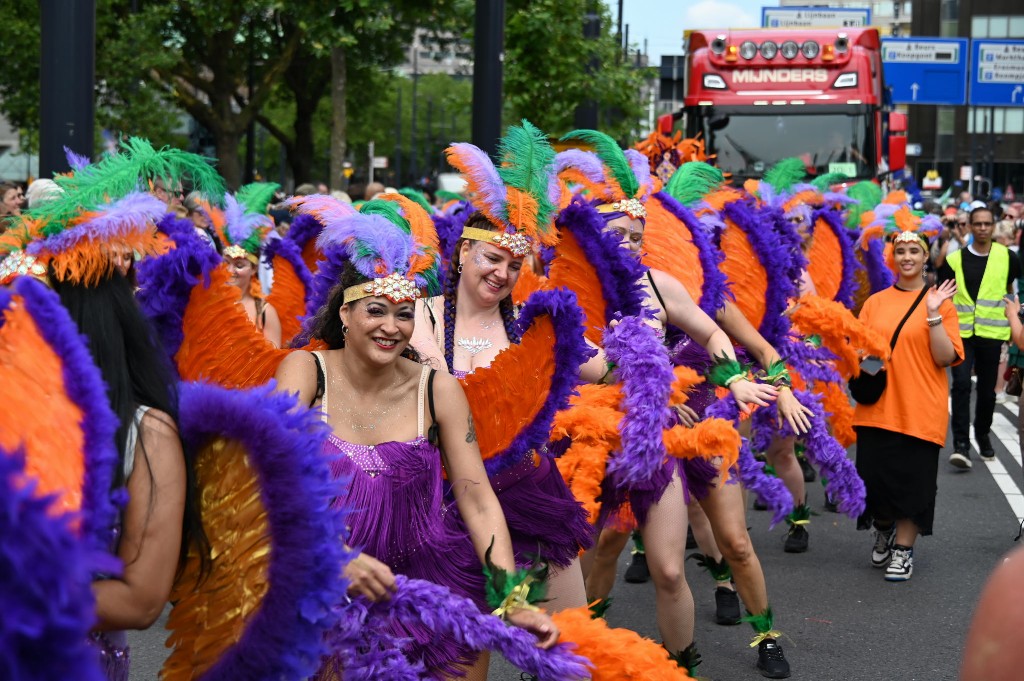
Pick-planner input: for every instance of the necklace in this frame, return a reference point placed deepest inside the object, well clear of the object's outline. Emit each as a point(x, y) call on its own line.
point(474, 345)
point(358, 414)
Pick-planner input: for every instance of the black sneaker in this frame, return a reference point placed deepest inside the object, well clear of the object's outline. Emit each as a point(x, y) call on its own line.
point(985, 449)
point(810, 475)
point(830, 505)
point(759, 505)
point(961, 456)
point(637, 572)
point(771, 661)
point(727, 607)
point(796, 540)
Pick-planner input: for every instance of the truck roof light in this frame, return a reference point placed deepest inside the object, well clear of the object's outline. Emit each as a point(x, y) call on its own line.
point(769, 49)
point(842, 42)
point(748, 50)
point(810, 49)
point(718, 45)
point(828, 53)
point(789, 49)
point(731, 53)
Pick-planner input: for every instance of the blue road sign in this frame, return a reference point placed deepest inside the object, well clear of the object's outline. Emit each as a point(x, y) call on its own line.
point(997, 73)
point(814, 17)
point(926, 70)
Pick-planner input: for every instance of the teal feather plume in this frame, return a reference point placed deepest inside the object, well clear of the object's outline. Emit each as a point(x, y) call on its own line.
point(527, 161)
point(823, 182)
point(784, 174)
point(256, 196)
point(693, 181)
point(868, 195)
point(389, 210)
point(611, 156)
point(417, 196)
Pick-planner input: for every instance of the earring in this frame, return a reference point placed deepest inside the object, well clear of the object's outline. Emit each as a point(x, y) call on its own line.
point(459, 270)
point(344, 329)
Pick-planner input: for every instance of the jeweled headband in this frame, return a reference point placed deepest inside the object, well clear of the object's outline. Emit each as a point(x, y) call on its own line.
point(910, 237)
point(394, 287)
point(518, 244)
point(236, 251)
point(631, 207)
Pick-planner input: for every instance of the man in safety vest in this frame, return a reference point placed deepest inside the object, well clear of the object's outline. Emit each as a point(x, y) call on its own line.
point(984, 273)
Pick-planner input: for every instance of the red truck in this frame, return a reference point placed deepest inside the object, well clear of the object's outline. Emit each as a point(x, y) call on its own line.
point(757, 96)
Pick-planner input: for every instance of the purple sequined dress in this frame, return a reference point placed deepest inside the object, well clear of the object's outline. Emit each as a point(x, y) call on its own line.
point(544, 519)
point(399, 516)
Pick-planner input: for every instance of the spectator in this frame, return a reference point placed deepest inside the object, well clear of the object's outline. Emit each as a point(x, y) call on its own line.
point(201, 219)
point(322, 188)
point(984, 273)
point(899, 436)
point(305, 189)
point(10, 203)
point(372, 190)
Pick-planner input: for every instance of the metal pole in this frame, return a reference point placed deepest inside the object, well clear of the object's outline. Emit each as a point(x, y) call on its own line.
point(413, 148)
point(488, 72)
point(250, 131)
point(429, 156)
point(67, 75)
point(369, 150)
point(398, 138)
point(586, 112)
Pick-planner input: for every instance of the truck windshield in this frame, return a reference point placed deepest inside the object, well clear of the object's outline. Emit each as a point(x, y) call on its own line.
point(749, 142)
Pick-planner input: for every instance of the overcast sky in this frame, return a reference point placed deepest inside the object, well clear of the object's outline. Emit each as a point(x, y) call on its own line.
point(662, 22)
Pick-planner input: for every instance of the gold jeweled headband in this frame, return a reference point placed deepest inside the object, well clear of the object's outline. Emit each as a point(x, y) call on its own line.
point(394, 287)
point(908, 237)
point(235, 251)
point(518, 244)
point(631, 207)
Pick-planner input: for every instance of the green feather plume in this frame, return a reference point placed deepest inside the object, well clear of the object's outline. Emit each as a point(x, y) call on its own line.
point(784, 174)
point(719, 570)
point(611, 156)
point(445, 195)
point(256, 197)
point(389, 210)
point(762, 622)
point(693, 181)
point(823, 182)
point(526, 162)
point(117, 175)
point(417, 196)
point(868, 195)
point(499, 583)
point(599, 608)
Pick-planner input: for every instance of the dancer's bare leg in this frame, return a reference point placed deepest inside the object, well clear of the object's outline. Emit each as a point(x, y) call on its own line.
point(601, 577)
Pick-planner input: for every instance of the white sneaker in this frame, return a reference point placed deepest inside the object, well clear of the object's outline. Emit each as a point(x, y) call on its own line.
point(1001, 397)
point(901, 566)
point(882, 550)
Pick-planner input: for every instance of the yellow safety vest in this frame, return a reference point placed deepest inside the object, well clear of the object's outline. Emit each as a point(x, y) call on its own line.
point(985, 317)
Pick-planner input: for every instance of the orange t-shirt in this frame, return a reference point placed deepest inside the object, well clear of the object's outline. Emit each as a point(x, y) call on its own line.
point(915, 400)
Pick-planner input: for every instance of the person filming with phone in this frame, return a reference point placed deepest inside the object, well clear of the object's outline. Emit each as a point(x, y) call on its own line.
point(901, 427)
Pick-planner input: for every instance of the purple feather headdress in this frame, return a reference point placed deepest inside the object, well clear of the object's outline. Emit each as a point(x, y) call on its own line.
point(127, 219)
point(76, 161)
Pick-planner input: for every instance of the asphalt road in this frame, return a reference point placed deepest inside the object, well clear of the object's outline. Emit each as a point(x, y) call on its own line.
point(842, 621)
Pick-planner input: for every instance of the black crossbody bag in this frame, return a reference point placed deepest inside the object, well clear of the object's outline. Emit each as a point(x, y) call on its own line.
point(868, 387)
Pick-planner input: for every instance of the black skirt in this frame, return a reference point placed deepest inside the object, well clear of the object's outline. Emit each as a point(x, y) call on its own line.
point(900, 474)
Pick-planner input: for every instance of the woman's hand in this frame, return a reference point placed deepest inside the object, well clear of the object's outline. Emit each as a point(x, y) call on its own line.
point(748, 393)
point(1012, 306)
point(369, 577)
point(794, 413)
point(687, 417)
point(936, 295)
point(537, 622)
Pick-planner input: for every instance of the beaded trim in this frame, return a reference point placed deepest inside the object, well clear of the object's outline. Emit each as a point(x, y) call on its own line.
point(516, 243)
point(20, 263)
point(631, 207)
point(394, 287)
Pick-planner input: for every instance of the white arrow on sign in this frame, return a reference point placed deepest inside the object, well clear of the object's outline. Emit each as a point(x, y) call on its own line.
point(1016, 91)
point(914, 87)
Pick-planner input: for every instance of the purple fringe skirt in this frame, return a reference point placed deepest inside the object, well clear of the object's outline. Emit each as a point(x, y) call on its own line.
point(115, 660)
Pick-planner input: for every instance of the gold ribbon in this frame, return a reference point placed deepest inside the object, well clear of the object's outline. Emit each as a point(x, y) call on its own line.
point(517, 599)
point(772, 633)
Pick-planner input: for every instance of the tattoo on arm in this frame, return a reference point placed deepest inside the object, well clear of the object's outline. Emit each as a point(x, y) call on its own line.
point(471, 433)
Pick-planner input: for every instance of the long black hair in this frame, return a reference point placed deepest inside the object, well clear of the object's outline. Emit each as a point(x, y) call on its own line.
point(451, 294)
point(137, 373)
point(327, 325)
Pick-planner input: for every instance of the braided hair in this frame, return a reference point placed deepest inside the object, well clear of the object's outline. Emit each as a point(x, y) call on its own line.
point(450, 291)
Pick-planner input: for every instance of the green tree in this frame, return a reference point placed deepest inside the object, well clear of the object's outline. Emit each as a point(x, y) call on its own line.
point(546, 68)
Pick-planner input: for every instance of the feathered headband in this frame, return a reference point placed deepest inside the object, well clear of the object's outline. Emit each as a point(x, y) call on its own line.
point(620, 180)
point(102, 208)
point(245, 221)
point(520, 197)
point(391, 241)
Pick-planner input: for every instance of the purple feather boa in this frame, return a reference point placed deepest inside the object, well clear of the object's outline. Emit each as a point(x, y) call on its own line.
point(619, 272)
point(368, 651)
point(303, 229)
point(166, 282)
point(814, 364)
point(834, 220)
point(715, 287)
point(285, 637)
point(85, 387)
point(880, 277)
point(45, 585)
point(449, 226)
point(822, 450)
point(769, 489)
point(571, 351)
point(292, 254)
point(646, 376)
point(777, 246)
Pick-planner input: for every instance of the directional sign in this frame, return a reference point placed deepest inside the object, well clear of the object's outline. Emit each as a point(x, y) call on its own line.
point(926, 70)
point(814, 17)
point(997, 73)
